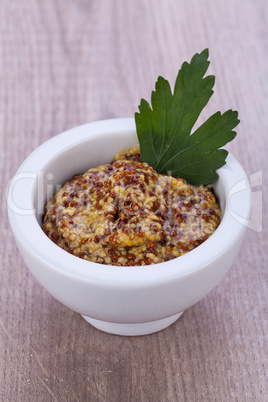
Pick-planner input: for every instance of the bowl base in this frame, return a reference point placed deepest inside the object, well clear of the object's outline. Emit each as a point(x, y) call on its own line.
point(135, 329)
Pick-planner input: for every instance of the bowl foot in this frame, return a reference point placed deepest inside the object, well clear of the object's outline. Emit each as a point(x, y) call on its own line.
point(134, 329)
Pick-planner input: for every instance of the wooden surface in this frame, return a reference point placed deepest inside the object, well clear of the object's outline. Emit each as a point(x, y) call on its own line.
point(64, 63)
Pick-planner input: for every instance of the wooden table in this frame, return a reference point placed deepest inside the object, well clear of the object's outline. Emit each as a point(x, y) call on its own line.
point(65, 63)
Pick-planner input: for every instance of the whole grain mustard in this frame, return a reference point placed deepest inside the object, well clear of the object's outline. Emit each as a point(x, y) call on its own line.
point(124, 213)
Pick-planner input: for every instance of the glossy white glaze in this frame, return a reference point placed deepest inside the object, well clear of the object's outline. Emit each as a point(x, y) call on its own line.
point(110, 294)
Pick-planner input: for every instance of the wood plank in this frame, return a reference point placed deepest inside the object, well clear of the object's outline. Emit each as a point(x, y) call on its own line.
point(67, 63)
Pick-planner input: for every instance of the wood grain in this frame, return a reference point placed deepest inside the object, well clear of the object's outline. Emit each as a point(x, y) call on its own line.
point(64, 63)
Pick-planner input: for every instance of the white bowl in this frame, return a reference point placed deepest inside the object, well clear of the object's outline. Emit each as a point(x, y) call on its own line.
point(120, 300)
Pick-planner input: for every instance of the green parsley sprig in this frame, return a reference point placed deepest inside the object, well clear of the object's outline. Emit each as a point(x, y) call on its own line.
point(164, 131)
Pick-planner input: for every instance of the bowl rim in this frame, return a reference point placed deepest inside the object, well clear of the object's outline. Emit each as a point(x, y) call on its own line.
point(55, 258)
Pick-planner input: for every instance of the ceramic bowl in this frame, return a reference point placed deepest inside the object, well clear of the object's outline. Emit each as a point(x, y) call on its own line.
point(119, 300)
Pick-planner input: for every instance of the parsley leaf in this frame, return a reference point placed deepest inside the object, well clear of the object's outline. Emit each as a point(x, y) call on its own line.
point(164, 132)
